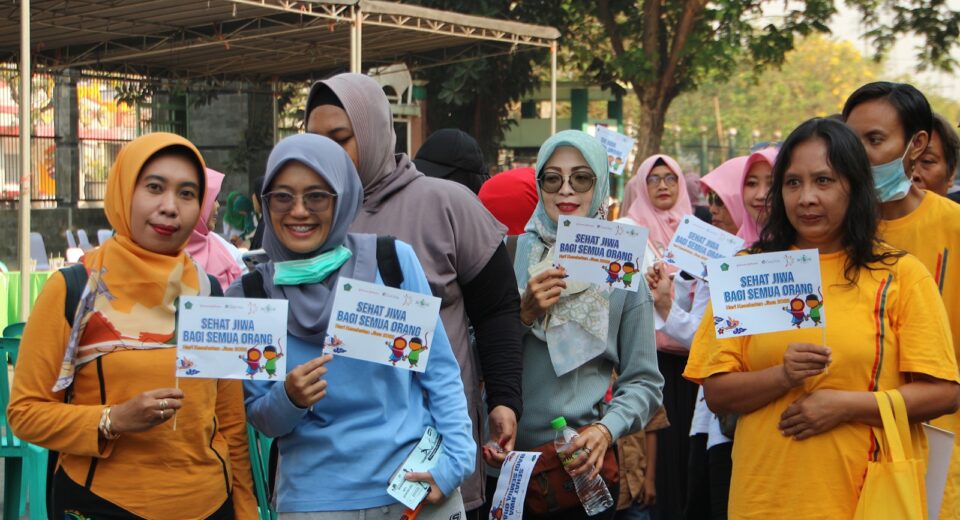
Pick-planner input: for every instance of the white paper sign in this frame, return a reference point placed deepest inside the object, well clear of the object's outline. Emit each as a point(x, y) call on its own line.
point(232, 338)
point(511, 489)
point(768, 292)
point(423, 458)
point(600, 252)
point(618, 148)
point(940, 443)
point(382, 324)
point(695, 242)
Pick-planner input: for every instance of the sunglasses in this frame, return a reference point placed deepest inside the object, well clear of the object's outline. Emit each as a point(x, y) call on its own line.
point(316, 201)
point(580, 182)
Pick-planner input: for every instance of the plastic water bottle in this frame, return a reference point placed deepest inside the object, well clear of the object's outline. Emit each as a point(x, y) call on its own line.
point(593, 494)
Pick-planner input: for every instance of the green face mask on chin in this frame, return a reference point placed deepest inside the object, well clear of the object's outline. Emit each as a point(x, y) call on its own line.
point(310, 270)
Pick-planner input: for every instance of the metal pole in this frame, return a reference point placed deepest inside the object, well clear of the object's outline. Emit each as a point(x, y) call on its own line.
point(26, 127)
point(273, 104)
point(353, 41)
point(359, 40)
point(553, 87)
point(356, 40)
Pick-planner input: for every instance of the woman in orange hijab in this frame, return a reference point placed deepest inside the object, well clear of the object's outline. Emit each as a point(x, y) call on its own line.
point(102, 391)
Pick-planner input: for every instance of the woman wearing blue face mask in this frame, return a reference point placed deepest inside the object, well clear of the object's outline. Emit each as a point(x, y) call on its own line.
point(894, 121)
point(343, 426)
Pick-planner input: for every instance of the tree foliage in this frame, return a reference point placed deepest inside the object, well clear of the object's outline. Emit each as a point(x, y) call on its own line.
point(474, 95)
point(660, 49)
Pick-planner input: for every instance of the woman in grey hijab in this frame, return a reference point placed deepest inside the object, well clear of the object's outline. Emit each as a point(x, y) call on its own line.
point(458, 241)
point(343, 426)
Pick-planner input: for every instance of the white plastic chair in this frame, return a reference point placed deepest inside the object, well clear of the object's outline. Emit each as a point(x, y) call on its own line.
point(74, 254)
point(38, 252)
point(71, 240)
point(83, 241)
point(103, 235)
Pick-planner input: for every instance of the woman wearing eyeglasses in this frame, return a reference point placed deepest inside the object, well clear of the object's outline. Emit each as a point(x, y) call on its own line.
point(657, 199)
point(680, 303)
point(343, 426)
point(579, 333)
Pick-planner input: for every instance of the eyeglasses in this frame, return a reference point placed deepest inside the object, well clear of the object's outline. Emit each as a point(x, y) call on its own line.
point(714, 200)
point(581, 182)
point(670, 179)
point(315, 201)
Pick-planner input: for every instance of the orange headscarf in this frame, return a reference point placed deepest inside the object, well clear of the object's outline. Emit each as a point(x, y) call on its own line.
point(129, 300)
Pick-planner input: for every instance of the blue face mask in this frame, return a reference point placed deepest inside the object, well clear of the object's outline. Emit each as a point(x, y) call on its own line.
point(890, 180)
point(310, 270)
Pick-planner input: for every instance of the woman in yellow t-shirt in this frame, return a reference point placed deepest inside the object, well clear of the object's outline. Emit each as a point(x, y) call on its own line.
point(803, 439)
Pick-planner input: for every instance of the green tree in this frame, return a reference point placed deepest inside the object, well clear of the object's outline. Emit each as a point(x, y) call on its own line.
point(475, 95)
point(814, 80)
point(663, 48)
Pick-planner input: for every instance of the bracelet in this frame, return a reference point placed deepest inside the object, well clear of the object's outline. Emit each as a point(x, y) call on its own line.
point(606, 431)
point(106, 426)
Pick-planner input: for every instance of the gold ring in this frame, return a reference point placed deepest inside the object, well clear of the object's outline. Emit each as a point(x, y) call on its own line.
point(163, 404)
point(162, 415)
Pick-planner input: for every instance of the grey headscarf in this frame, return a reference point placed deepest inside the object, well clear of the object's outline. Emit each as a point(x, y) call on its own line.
point(311, 304)
point(369, 111)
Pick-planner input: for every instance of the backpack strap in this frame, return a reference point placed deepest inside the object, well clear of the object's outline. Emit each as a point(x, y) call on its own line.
point(252, 283)
point(388, 263)
point(76, 278)
point(511, 243)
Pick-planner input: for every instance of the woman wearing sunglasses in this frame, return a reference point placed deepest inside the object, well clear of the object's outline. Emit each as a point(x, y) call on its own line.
point(614, 328)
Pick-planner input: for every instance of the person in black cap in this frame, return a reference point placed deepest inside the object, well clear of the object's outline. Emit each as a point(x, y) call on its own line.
point(453, 155)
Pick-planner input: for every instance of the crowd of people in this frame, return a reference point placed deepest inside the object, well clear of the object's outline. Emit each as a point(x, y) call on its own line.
point(680, 424)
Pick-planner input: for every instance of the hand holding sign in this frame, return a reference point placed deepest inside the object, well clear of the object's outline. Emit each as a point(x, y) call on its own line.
point(803, 360)
point(146, 410)
point(305, 384)
point(542, 292)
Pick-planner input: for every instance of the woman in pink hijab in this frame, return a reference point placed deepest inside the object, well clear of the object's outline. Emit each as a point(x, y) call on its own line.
point(758, 178)
point(656, 198)
point(203, 246)
point(723, 189)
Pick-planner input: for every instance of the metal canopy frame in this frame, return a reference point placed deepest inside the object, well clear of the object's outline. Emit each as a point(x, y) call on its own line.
point(235, 39)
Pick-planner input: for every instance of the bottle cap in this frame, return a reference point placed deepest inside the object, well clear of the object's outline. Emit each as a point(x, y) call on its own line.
point(559, 423)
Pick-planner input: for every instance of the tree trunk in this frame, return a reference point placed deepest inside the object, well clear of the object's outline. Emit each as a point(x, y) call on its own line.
point(653, 111)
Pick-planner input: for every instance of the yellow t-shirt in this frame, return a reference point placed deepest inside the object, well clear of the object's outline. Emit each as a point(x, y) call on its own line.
point(889, 323)
point(932, 234)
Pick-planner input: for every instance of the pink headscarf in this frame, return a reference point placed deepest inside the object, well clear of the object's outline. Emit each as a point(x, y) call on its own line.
point(727, 182)
point(750, 230)
point(662, 224)
point(212, 256)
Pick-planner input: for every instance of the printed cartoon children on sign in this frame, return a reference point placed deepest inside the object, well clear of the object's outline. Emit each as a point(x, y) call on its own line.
point(613, 273)
point(397, 347)
point(253, 361)
point(815, 304)
point(416, 347)
point(799, 305)
point(271, 354)
point(796, 310)
point(629, 270)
